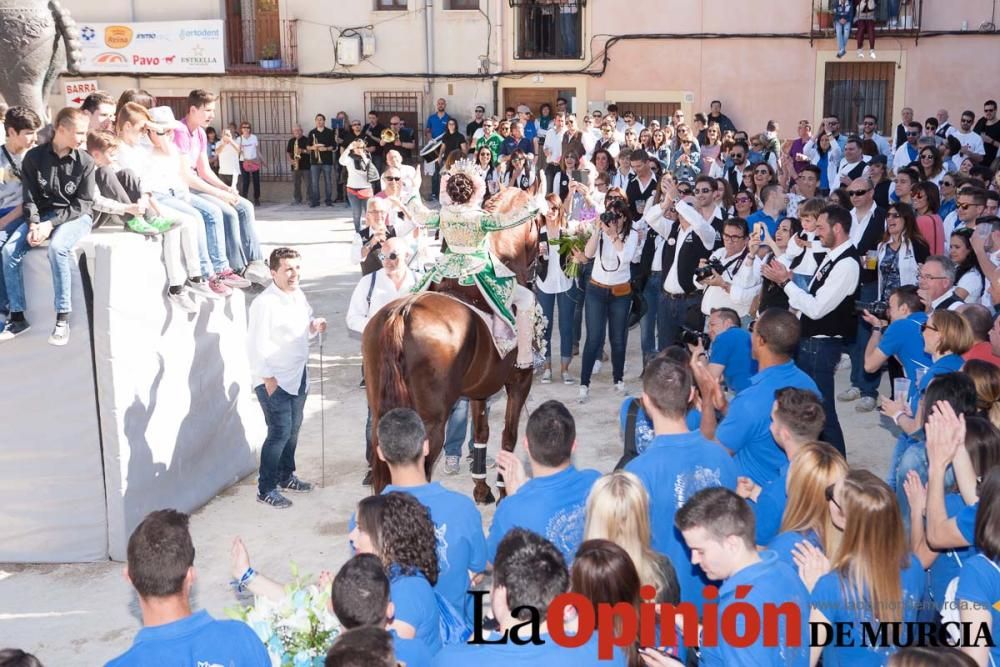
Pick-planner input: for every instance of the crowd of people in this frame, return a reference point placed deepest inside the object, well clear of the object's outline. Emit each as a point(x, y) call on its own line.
point(754, 268)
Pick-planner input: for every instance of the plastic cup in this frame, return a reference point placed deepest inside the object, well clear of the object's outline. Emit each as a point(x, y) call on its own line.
point(921, 372)
point(901, 389)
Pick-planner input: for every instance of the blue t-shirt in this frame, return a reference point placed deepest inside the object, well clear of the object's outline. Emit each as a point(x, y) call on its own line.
point(510, 144)
point(198, 639)
point(783, 544)
point(771, 582)
point(731, 349)
point(547, 654)
point(980, 583)
point(949, 363)
point(831, 598)
point(644, 432)
point(949, 563)
point(673, 469)
point(760, 216)
point(436, 125)
point(902, 339)
point(411, 652)
point(416, 605)
point(746, 430)
point(966, 522)
point(555, 507)
point(461, 546)
point(770, 506)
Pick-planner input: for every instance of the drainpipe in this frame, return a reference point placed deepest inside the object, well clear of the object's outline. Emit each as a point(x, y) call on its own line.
point(429, 41)
point(501, 55)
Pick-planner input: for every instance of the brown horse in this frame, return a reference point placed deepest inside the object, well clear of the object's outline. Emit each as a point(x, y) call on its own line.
point(427, 350)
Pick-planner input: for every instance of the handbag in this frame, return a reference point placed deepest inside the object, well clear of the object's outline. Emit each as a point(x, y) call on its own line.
point(251, 166)
point(372, 173)
point(638, 307)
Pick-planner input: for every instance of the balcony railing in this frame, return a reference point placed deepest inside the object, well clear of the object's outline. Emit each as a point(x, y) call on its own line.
point(262, 45)
point(906, 22)
point(549, 30)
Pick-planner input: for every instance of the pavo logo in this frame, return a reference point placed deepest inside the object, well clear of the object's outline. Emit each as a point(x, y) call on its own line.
point(110, 58)
point(117, 36)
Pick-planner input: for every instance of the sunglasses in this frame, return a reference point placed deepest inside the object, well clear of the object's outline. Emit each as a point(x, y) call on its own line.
point(737, 156)
point(703, 191)
point(892, 215)
point(743, 200)
point(924, 327)
point(926, 156)
point(683, 191)
point(947, 184)
point(989, 110)
point(857, 193)
point(392, 178)
point(391, 256)
point(913, 134)
point(830, 497)
point(966, 121)
point(764, 172)
point(966, 207)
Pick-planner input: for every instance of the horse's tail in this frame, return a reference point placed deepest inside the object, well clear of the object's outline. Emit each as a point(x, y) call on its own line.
point(395, 392)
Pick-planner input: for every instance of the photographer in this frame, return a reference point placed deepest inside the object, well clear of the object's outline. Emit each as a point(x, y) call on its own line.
point(360, 170)
point(720, 274)
point(901, 339)
point(608, 299)
point(730, 357)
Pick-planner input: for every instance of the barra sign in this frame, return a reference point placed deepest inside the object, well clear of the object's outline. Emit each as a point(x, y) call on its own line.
point(168, 47)
point(77, 91)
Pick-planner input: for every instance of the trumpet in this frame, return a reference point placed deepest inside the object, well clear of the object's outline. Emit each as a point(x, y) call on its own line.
point(296, 155)
point(316, 148)
point(388, 135)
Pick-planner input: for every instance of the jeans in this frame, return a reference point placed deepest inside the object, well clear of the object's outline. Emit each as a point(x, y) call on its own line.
point(605, 313)
point(314, 178)
point(209, 263)
point(5, 233)
point(63, 239)
point(457, 428)
point(245, 178)
point(567, 30)
point(867, 382)
point(911, 454)
point(357, 209)
point(843, 35)
point(893, 9)
point(673, 313)
point(567, 308)
point(436, 180)
point(283, 415)
point(241, 244)
point(300, 176)
point(818, 359)
point(647, 325)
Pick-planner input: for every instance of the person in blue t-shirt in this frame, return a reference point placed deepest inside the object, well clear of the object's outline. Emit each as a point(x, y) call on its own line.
point(901, 339)
point(528, 572)
point(718, 527)
point(979, 583)
point(360, 598)
point(554, 502)
point(797, 417)
point(677, 464)
point(746, 429)
point(874, 558)
point(161, 569)
point(458, 526)
point(729, 356)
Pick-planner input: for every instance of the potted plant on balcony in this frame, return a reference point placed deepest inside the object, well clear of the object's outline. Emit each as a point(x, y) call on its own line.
point(824, 16)
point(269, 58)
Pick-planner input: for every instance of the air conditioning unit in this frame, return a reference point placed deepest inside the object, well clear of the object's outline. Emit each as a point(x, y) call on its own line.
point(349, 50)
point(368, 45)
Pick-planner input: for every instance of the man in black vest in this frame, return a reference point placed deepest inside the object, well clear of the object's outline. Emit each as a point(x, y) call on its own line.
point(826, 310)
point(867, 229)
point(936, 285)
point(734, 173)
point(688, 241)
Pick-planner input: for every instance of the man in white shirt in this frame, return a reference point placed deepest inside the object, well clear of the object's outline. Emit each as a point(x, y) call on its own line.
point(936, 285)
point(972, 144)
point(910, 149)
point(869, 130)
point(553, 145)
point(730, 289)
point(278, 332)
point(855, 163)
point(945, 128)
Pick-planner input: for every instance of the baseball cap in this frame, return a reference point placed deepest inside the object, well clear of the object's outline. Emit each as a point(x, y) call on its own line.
point(523, 108)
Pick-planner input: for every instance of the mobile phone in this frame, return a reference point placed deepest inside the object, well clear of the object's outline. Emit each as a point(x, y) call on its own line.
point(337, 123)
point(758, 230)
point(576, 175)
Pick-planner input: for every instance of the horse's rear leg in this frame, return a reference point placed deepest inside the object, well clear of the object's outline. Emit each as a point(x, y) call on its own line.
point(435, 438)
point(518, 387)
point(480, 437)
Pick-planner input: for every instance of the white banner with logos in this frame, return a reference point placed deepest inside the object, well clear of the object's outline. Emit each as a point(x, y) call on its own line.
point(167, 47)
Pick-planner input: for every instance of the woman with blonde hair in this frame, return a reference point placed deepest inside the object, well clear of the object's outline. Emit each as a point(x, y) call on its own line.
point(872, 576)
point(986, 377)
point(814, 469)
point(618, 511)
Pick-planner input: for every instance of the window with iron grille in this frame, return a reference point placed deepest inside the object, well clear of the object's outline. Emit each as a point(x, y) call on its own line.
point(548, 29)
point(648, 111)
point(272, 114)
point(390, 5)
point(461, 4)
point(851, 90)
point(405, 104)
point(177, 104)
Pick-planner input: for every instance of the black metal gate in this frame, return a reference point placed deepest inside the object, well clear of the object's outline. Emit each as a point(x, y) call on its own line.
point(272, 114)
point(647, 111)
point(851, 90)
point(402, 103)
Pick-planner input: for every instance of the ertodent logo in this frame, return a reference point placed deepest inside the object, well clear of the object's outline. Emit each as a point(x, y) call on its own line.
point(117, 36)
point(200, 32)
point(110, 58)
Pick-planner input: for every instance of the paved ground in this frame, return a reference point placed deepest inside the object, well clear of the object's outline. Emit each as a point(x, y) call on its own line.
point(85, 614)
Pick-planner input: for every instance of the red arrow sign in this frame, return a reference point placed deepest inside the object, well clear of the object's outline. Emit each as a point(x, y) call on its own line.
point(78, 100)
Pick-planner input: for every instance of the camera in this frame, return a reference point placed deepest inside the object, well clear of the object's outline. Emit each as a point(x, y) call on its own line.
point(880, 309)
point(689, 336)
point(609, 217)
point(713, 266)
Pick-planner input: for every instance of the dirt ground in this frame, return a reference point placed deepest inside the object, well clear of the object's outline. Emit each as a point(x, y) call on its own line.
point(85, 614)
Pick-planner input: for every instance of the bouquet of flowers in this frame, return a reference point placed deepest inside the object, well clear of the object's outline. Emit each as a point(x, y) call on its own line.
point(567, 244)
point(297, 629)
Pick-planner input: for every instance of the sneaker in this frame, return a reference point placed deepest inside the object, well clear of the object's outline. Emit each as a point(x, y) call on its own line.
point(60, 333)
point(367, 481)
point(140, 226)
point(872, 55)
point(183, 301)
point(840, 54)
point(202, 289)
point(861, 54)
point(451, 465)
point(568, 379)
point(161, 224)
point(296, 485)
point(275, 500)
point(258, 273)
point(866, 404)
point(230, 278)
point(220, 289)
point(13, 329)
point(851, 394)
point(597, 367)
point(584, 394)
point(620, 387)
point(547, 376)
point(844, 363)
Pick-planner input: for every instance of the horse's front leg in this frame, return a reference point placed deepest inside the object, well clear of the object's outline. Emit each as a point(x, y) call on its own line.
point(480, 437)
point(518, 387)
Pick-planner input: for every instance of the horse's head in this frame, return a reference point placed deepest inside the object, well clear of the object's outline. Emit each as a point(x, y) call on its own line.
point(516, 247)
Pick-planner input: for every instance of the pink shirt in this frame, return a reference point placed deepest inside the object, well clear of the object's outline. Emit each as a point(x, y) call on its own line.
point(191, 145)
point(933, 231)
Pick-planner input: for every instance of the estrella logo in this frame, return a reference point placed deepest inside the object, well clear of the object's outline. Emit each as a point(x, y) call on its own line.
point(110, 58)
point(117, 36)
